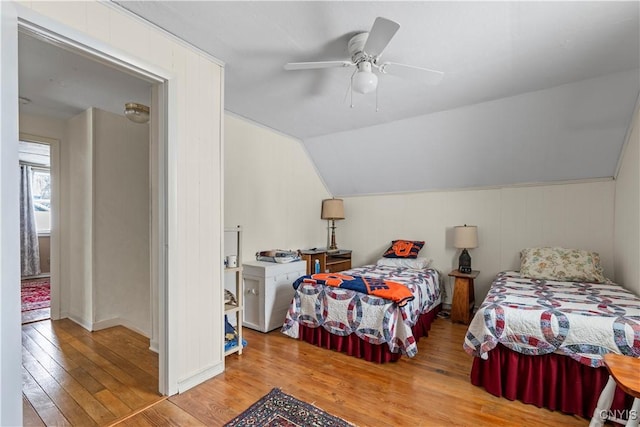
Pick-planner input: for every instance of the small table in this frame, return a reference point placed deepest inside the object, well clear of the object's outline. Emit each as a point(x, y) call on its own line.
point(624, 371)
point(463, 296)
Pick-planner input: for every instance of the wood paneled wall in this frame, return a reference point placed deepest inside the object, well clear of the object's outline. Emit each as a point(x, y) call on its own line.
point(577, 215)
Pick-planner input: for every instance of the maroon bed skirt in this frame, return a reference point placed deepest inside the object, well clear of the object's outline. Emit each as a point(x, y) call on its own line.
point(550, 381)
point(357, 347)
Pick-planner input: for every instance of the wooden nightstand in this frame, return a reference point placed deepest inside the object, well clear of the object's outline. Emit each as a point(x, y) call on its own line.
point(329, 262)
point(463, 296)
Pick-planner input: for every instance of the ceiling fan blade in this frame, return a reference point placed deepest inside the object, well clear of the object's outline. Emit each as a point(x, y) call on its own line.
point(380, 35)
point(316, 65)
point(431, 77)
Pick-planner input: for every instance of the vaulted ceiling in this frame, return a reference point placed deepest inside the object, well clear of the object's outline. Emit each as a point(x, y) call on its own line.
point(532, 91)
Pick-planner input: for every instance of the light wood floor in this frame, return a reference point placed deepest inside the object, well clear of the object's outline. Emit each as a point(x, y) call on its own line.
point(73, 377)
point(432, 389)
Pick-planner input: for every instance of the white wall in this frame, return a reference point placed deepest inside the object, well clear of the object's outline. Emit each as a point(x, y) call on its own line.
point(577, 215)
point(77, 221)
point(627, 214)
point(271, 189)
point(193, 339)
point(121, 222)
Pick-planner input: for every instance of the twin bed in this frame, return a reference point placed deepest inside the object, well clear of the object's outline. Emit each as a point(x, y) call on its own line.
point(541, 340)
point(365, 325)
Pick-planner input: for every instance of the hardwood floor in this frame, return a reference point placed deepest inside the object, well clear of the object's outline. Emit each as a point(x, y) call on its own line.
point(74, 377)
point(432, 389)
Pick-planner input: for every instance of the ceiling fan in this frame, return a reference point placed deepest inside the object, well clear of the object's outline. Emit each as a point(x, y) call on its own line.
point(365, 50)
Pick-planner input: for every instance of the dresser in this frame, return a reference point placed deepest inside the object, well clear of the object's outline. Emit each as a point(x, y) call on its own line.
point(268, 291)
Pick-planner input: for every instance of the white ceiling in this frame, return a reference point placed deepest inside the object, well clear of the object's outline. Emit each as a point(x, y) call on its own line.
point(61, 83)
point(532, 92)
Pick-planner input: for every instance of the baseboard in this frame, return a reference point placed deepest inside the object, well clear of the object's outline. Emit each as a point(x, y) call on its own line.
point(153, 346)
point(200, 376)
point(117, 321)
point(80, 322)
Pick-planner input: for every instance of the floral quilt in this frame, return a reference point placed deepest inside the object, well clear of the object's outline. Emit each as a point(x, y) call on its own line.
point(533, 316)
point(376, 320)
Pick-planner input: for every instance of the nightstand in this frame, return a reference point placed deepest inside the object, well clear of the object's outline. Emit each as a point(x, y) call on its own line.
point(330, 262)
point(463, 296)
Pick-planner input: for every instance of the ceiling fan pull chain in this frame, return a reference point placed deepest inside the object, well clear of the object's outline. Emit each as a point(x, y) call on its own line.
point(377, 109)
point(351, 86)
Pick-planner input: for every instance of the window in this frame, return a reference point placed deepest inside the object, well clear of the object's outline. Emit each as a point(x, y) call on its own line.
point(41, 192)
point(37, 155)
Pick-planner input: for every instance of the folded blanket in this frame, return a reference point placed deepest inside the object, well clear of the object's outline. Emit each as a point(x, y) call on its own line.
point(387, 289)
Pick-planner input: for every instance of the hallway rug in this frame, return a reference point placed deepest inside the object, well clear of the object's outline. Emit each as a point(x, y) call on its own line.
point(278, 409)
point(35, 295)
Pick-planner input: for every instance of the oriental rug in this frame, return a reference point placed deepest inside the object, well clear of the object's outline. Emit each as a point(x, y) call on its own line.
point(278, 409)
point(35, 295)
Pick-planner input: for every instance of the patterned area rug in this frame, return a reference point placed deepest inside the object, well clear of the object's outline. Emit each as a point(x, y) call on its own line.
point(278, 409)
point(36, 294)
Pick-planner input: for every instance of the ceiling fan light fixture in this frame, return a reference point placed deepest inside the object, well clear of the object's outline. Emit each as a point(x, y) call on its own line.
point(364, 81)
point(137, 113)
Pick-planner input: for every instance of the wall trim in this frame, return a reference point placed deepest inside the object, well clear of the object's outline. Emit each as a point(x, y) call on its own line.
point(79, 321)
point(118, 321)
point(200, 376)
point(488, 187)
point(172, 36)
point(632, 124)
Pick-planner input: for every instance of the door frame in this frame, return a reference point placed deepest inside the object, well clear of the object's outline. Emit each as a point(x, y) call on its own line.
point(66, 37)
point(54, 231)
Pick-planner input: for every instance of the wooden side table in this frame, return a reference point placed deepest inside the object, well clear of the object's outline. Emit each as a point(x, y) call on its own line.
point(330, 262)
point(463, 296)
point(624, 372)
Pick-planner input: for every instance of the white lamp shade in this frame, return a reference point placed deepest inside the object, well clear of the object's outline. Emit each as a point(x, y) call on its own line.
point(465, 236)
point(365, 80)
point(332, 209)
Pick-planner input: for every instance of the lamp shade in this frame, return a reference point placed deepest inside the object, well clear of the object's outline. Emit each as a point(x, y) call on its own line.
point(332, 209)
point(465, 236)
point(364, 81)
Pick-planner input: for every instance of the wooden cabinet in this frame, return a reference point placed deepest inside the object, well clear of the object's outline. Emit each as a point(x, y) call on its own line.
point(463, 296)
point(330, 262)
point(234, 281)
point(268, 292)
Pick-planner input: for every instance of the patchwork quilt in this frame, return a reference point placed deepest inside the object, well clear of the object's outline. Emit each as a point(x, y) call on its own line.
point(343, 311)
point(387, 289)
point(581, 320)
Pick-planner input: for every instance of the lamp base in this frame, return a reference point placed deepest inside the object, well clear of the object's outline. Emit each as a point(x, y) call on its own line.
point(464, 262)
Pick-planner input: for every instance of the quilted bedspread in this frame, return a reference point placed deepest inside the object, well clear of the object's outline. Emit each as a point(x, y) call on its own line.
point(373, 319)
point(581, 320)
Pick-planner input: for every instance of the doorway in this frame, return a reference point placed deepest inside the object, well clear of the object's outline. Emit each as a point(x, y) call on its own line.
point(100, 121)
point(36, 166)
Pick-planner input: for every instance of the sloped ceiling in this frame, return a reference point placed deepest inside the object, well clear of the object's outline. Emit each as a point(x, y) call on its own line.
point(533, 91)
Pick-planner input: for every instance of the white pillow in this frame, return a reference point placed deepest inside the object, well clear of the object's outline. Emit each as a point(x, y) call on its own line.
point(412, 263)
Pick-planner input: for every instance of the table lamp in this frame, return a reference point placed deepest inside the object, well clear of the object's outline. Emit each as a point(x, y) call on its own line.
point(465, 237)
point(332, 209)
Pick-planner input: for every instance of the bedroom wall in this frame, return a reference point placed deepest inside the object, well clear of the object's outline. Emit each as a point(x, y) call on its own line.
point(509, 219)
point(627, 214)
point(271, 189)
point(121, 223)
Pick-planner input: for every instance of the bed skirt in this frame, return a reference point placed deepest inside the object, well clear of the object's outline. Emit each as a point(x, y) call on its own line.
point(550, 381)
point(357, 347)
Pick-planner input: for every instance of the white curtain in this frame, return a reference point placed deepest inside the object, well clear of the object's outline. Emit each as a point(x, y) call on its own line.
point(29, 248)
